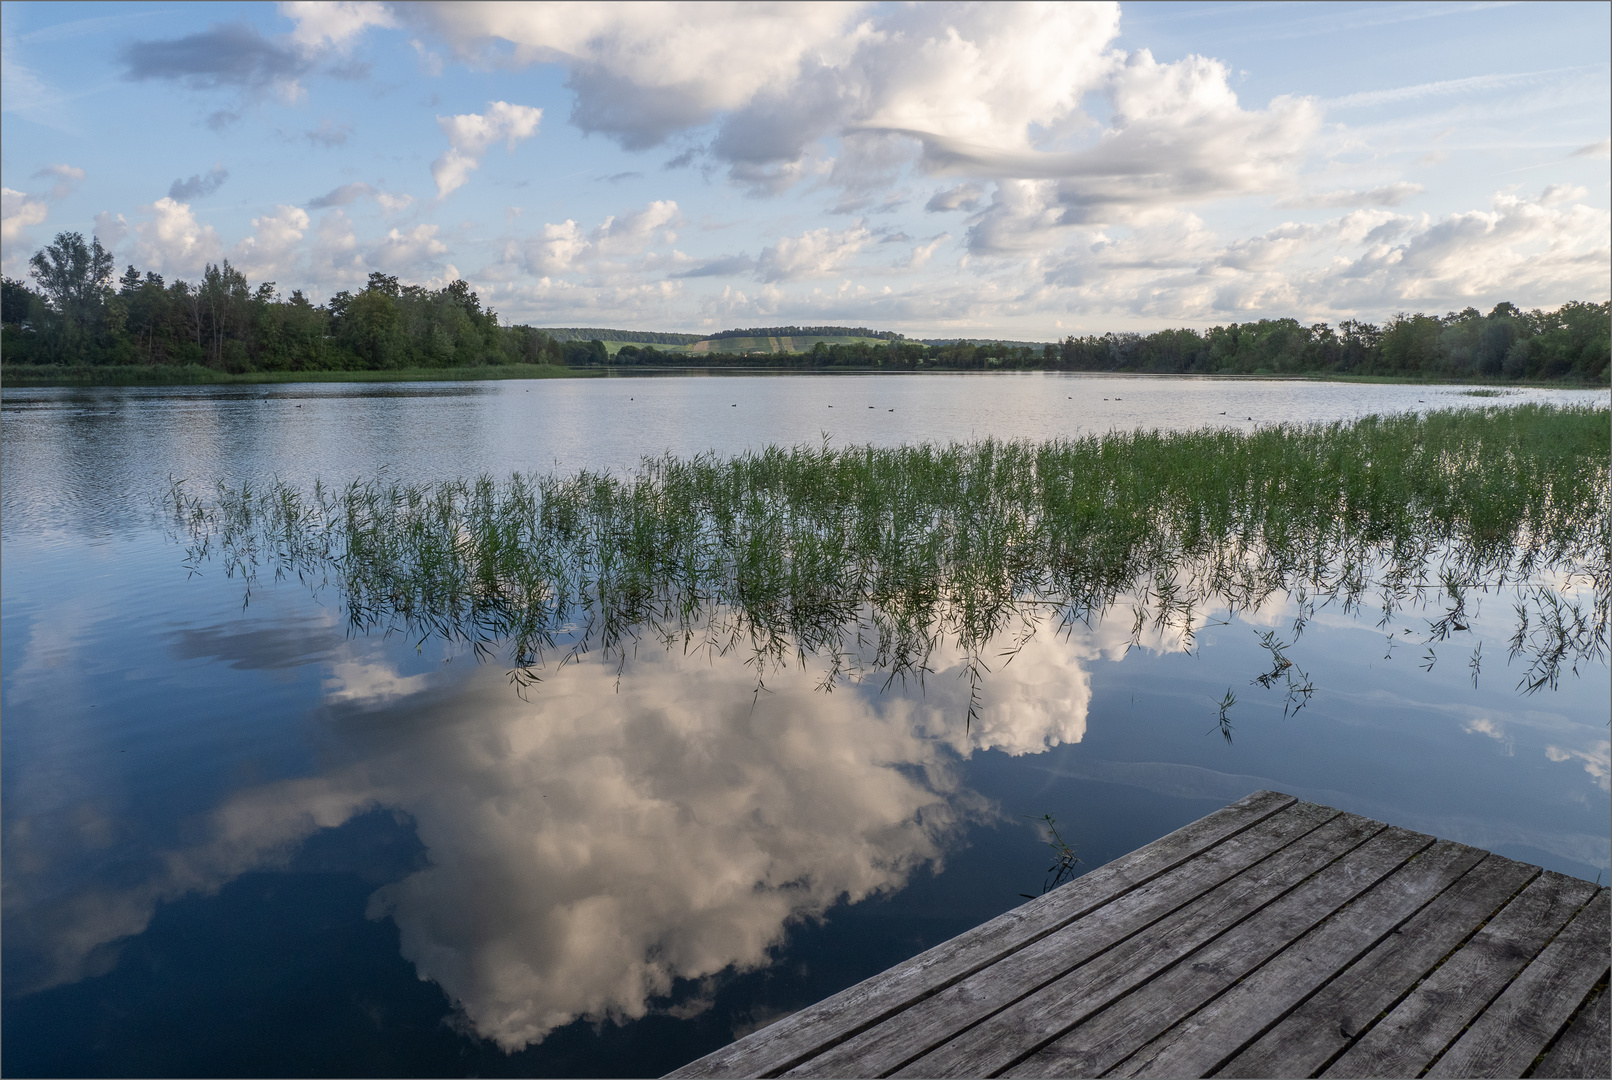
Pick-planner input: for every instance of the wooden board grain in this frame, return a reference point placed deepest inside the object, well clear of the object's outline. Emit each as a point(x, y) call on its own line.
point(1585, 1048)
point(1318, 1030)
point(1418, 1029)
point(914, 1031)
point(1094, 1047)
point(1529, 1013)
point(1032, 1022)
point(785, 1044)
point(1271, 938)
point(1201, 1042)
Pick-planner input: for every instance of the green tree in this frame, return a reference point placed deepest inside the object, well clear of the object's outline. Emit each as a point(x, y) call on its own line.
point(18, 303)
point(224, 297)
point(75, 277)
point(369, 326)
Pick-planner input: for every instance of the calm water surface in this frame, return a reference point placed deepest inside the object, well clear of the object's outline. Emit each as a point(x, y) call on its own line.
point(240, 839)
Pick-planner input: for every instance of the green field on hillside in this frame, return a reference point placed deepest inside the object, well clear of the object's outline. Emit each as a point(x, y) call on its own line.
point(774, 344)
point(745, 344)
point(616, 346)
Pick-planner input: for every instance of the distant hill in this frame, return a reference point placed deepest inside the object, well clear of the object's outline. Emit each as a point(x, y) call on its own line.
point(764, 339)
point(635, 337)
point(933, 342)
point(749, 341)
point(807, 332)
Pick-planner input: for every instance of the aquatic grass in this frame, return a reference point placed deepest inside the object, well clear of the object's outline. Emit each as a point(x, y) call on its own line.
point(867, 559)
point(1064, 859)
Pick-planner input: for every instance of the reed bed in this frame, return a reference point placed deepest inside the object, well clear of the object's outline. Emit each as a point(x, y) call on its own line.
point(866, 559)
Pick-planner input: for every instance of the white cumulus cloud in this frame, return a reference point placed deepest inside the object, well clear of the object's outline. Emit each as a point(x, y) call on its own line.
point(1169, 264)
point(993, 91)
point(333, 22)
point(813, 254)
point(410, 250)
point(471, 134)
point(610, 248)
point(172, 242)
point(272, 249)
point(644, 71)
point(18, 211)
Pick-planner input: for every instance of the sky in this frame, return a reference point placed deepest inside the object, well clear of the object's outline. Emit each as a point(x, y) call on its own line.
point(1025, 171)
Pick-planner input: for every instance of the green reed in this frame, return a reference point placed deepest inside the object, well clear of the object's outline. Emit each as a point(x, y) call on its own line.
point(869, 559)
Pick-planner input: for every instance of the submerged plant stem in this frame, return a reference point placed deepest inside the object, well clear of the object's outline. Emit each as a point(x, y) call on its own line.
point(873, 557)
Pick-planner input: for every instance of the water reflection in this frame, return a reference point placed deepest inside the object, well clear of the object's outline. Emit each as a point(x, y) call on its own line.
point(872, 559)
point(650, 819)
point(1597, 762)
point(86, 459)
point(587, 848)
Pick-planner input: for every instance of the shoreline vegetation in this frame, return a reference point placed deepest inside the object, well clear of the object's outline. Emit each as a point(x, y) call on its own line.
point(49, 375)
point(882, 563)
point(79, 323)
point(15, 376)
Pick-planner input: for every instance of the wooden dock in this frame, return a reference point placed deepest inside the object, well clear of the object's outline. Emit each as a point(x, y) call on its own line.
point(1272, 938)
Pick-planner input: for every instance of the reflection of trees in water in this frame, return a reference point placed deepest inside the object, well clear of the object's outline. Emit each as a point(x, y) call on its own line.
point(866, 560)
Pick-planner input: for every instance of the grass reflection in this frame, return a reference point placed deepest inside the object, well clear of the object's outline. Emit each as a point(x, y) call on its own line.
point(866, 559)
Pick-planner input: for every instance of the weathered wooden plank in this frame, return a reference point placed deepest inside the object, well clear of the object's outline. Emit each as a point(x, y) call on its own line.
point(1317, 1030)
point(1208, 1037)
point(1041, 1017)
point(1408, 1039)
point(782, 1045)
point(930, 1022)
point(1522, 1021)
point(1585, 1049)
point(1100, 1043)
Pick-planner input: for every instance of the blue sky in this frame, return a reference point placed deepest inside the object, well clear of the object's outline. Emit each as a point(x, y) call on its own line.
point(1027, 171)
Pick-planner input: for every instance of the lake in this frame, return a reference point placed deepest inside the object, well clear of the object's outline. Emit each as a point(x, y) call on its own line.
point(247, 835)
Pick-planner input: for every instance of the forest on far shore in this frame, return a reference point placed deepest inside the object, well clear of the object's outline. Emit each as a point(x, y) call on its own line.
point(79, 313)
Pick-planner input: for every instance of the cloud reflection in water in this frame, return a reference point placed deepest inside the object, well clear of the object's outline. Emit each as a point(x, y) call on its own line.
point(589, 846)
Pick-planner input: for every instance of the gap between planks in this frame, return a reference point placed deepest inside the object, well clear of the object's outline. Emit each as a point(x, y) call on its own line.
point(1271, 937)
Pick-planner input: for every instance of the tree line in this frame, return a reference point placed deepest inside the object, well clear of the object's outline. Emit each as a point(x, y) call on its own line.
point(79, 312)
point(637, 337)
point(806, 331)
point(1570, 343)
